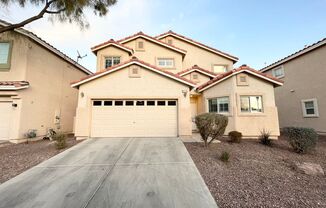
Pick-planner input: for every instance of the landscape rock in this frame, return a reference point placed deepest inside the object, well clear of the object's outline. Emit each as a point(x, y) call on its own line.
point(310, 168)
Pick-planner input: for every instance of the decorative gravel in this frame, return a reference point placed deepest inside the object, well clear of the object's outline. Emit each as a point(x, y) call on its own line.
point(17, 158)
point(260, 176)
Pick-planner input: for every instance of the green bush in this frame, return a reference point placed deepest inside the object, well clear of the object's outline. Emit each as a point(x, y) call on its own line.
point(225, 156)
point(211, 126)
point(235, 136)
point(30, 134)
point(264, 137)
point(302, 140)
point(60, 140)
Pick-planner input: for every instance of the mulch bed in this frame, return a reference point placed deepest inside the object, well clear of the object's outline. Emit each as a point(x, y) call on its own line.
point(17, 158)
point(260, 176)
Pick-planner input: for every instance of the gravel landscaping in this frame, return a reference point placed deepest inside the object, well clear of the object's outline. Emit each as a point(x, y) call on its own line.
point(17, 158)
point(260, 176)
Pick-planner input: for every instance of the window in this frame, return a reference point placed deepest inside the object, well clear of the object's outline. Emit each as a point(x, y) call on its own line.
point(5, 54)
point(97, 103)
point(140, 103)
point(107, 102)
point(251, 104)
point(218, 105)
point(278, 72)
point(161, 103)
point(219, 69)
point(172, 103)
point(129, 102)
point(118, 103)
point(165, 62)
point(151, 102)
point(310, 108)
point(111, 61)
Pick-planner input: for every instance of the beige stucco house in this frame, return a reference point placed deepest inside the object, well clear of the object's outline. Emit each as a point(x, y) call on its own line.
point(35, 92)
point(302, 99)
point(154, 87)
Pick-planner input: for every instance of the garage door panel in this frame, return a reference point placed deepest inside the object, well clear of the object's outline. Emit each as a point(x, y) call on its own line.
point(5, 119)
point(134, 121)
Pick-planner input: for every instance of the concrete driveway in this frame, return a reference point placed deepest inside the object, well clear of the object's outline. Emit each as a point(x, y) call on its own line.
point(124, 172)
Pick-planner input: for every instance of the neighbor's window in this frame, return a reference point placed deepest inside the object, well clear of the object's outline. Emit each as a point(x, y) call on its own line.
point(219, 69)
point(111, 61)
point(251, 104)
point(278, 72)
point(5, 53)
point(310, 108)
point(218, 105)
point(165, 62)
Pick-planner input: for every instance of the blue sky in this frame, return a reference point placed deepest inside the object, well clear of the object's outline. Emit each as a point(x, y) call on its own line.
point(258, 32)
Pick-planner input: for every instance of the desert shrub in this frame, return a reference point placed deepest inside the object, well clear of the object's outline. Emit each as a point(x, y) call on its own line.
point(211, 126)
point(235, 136)
point(30, 134)
point(225, 156)
point(60, 140)
point(302, 140)
point(264, 137)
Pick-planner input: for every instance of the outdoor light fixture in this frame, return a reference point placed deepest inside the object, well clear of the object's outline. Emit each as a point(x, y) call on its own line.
point(14, 105)
point(81, 94)
point(184, 92)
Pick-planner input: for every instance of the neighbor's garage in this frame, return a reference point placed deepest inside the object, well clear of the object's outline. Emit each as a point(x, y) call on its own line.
point(5, 119)
point(134, 118)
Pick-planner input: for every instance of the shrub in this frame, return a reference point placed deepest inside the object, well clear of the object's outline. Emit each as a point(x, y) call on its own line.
point(264, 137)
point(302, 140)
point(235, 136)
point(211, 125)
point(225, 156)
point(60, 140)
point(30, 134)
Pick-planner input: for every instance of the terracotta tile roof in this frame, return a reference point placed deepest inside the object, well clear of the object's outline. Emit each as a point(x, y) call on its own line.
point(133, 60)
point(111, 42)
point(295, 54)
point(141, 34)
point(198, 69)
point(170, 32)
point(13, 85)
point(243, 68)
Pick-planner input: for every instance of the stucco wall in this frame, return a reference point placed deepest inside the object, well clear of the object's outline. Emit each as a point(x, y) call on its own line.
point(250, 124)
point(306, 77)
point(119, 85)
point(201, 78)
point(199, 56)
point(110, 51)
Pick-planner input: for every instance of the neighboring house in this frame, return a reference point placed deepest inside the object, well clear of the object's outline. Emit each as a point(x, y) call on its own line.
point(35, 90)
point(154, 87)
point(302, 99)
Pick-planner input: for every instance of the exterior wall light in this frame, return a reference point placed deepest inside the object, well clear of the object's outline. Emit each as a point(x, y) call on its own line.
point(14, 105)
point(184, 92)
point(81, 94)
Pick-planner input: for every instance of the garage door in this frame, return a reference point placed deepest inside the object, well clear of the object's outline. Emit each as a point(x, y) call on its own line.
point(134, 118)
point(5, 119)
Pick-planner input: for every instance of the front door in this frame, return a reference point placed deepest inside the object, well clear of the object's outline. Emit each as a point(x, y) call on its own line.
point(194, 112)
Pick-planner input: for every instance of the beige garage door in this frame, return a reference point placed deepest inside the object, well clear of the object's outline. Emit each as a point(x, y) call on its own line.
point(5, 119)
point(134, 118)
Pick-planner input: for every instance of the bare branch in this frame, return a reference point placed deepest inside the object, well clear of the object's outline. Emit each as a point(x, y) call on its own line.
point(55, 12)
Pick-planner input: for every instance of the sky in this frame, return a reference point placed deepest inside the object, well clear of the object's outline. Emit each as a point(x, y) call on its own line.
point(257, 32)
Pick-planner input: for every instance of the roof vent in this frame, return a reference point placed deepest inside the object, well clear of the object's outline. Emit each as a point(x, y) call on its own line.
point(244, 65)
point(195, 66)
point(134, 58)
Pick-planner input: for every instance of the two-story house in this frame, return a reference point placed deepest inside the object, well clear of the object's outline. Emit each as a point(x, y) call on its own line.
point(35, 92)
point(302, 99)
point(154, 86)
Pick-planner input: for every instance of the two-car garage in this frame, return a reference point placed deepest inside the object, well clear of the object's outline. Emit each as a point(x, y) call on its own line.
point(134, 118)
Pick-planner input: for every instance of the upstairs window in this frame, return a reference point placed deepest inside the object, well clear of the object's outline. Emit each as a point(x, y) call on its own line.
point(310, 108)
point(5, 54)
point(219, 68)
point(218, 105)
point(251, 104)
point(278, 72)
point(111, 61)
point(165, 62)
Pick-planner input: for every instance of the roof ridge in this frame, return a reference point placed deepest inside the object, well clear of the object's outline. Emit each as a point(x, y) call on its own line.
point(112, 41)
point(196, 67)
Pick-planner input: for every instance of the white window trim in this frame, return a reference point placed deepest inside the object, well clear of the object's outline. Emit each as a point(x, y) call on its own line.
point(165, 67)
point(218, 109)
point(305, 115)
point(250, 111)
point(112, 58)
point(226, 68)
point(280, 67)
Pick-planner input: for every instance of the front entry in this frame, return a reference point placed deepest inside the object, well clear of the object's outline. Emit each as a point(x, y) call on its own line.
point(194, 112)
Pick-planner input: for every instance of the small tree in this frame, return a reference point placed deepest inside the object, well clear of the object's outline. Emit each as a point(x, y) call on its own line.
point(211, 126)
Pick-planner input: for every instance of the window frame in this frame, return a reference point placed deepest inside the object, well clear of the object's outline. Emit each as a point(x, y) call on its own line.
point(278, 68)
point(6, 67)
point(165, 60)
point(218, 104)
point(250, 109)
point(304, 109)
point(226, 68)
point(112, 59)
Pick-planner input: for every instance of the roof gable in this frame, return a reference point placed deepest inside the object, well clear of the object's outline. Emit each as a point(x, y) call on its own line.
point(196, 68)
point(234, 72)
point(138, 62)
point(113, 43)
point(201, 45)
point(149, 38)
point(295, 55)
point(47, 46)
